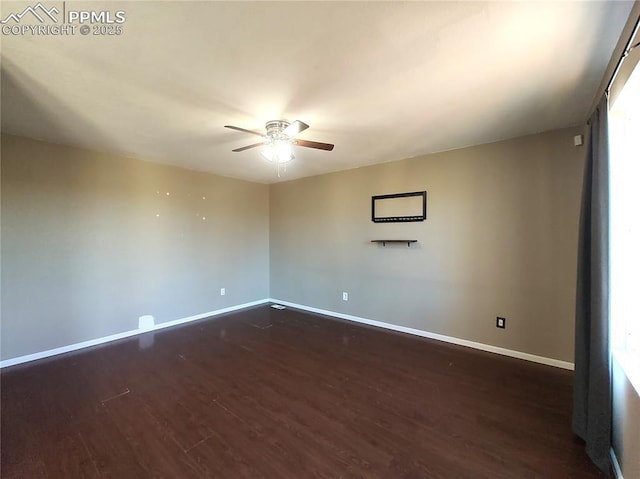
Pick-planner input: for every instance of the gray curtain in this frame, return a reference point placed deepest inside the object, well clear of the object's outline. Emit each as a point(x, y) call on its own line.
point(592, 377)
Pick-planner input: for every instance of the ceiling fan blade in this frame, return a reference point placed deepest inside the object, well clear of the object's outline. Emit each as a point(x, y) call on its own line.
point(250, 146)
point(314, 144)
point(294, 128)
point(243, 130)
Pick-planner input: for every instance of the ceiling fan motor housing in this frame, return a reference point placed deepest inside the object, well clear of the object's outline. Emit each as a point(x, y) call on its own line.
point(275, 129)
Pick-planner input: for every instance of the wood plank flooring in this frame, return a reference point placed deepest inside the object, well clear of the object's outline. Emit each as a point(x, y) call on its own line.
point(264, 393)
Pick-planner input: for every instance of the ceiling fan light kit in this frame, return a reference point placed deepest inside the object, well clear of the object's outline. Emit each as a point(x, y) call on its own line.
point(278, 151)
point(279, 140)
point(278, 145)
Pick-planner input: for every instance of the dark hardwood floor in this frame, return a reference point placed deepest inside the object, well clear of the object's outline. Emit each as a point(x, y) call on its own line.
point(264, 393)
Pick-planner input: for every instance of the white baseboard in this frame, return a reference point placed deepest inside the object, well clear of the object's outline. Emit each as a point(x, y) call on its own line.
point(126, 334)
point(425, 334)
point(371, 322)
point(616, 464)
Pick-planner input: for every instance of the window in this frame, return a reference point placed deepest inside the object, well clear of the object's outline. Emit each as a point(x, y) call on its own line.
point(624, 138)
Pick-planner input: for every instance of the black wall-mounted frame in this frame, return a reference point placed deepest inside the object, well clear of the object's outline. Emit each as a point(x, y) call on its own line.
point(399, 218)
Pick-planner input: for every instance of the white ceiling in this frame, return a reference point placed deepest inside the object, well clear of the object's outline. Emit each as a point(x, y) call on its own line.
point(382, 81)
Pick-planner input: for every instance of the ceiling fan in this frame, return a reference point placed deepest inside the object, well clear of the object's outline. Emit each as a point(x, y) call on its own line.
point(280, 136)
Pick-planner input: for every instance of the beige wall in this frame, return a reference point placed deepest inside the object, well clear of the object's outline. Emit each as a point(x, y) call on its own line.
point(84, 253)
point(500, 240)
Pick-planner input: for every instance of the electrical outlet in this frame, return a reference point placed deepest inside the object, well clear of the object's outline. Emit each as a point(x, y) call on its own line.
point(223, 291)
point(345, 296)
point(501, 323)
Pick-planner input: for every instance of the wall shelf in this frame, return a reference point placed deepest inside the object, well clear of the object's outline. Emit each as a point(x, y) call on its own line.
point(385, 241)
